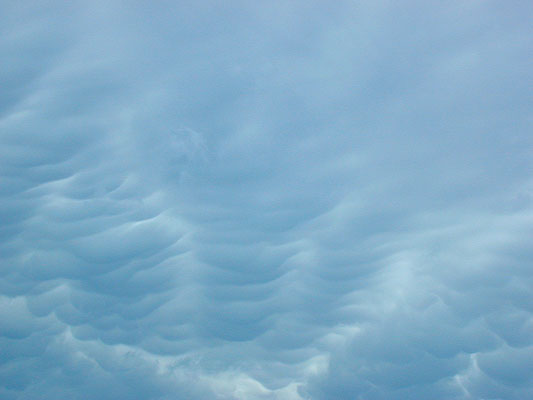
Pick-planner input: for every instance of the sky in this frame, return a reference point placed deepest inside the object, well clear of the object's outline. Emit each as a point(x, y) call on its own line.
point(266, 200)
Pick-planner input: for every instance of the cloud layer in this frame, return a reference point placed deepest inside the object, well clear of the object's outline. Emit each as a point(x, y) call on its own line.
point(290, 200)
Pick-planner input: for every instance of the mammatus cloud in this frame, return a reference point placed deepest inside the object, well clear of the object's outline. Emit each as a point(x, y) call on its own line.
point(292, 200)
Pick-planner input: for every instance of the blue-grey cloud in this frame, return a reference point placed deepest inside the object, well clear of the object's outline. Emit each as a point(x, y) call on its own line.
point(292, 200)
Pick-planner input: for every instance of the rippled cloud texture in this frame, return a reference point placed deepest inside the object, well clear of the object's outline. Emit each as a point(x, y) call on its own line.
point(266, 200)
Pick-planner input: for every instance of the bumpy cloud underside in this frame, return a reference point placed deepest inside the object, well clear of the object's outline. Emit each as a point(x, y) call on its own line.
point(266, 200)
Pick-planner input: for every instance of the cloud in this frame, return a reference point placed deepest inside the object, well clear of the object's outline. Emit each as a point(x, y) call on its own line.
point(283, 201)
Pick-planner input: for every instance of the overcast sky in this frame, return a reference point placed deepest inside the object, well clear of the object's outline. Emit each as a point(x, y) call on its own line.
point(252, 200)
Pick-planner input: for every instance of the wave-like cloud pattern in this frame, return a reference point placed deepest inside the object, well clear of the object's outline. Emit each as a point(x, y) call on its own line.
point(283, 200)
